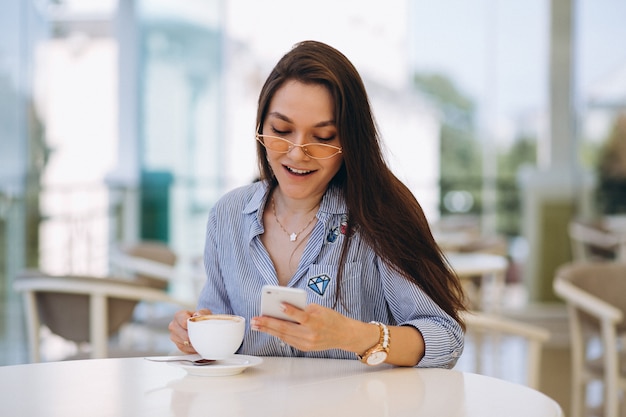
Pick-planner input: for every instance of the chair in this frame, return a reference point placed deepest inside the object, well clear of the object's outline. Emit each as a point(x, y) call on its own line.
point(591, 242)
point(82, 308)
point(595, 293)
point(150, 262)
point(485, 324)
point(155, 263)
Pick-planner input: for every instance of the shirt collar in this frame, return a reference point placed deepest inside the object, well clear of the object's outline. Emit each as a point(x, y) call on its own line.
point(261, 189)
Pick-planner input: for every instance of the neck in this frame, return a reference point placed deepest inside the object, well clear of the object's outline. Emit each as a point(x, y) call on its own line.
point(295, 207)
point(293, 235)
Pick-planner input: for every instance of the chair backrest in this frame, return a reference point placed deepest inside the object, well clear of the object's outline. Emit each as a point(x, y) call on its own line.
point(601, 290)
point(150, 262)
point(591, 242)
point(155, 251)
point(496, 324)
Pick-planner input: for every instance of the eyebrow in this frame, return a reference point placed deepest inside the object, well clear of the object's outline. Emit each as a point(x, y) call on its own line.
point(288, 120)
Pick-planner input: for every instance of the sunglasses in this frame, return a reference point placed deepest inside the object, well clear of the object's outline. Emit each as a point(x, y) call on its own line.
point(312, 150)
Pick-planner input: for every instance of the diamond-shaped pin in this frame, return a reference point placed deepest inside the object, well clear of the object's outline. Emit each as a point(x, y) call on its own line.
point(319, 284)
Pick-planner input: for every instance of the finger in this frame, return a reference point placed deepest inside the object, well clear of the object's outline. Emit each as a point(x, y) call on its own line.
point(181, 340)
point(180, 319)
point(293, 334)
point(202, 312)
point(178, 331)
point(273, 326)
point(187, 347)
point(178, 334)
point(293, 312)
point(178, 341)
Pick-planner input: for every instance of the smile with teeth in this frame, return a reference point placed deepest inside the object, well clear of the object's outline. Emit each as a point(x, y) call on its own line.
point(298, 171)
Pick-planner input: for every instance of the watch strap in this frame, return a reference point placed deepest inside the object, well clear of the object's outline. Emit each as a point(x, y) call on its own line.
point(382, 345)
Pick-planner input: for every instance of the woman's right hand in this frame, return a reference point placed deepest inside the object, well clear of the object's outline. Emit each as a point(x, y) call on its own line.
point(178, 329)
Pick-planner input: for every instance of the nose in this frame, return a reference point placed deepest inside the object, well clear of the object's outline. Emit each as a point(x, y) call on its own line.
point(300, 153)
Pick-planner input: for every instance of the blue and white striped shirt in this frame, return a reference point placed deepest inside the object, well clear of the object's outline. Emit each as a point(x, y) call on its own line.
point(238, 265)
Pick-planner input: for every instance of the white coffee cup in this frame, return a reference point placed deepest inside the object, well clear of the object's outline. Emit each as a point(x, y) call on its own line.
point(216, 336)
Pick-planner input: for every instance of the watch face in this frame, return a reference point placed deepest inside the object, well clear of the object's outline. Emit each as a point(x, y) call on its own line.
point(377, 358)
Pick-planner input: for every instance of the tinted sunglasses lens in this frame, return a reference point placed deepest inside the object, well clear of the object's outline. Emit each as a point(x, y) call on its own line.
point(315, 150)
point(276, 144)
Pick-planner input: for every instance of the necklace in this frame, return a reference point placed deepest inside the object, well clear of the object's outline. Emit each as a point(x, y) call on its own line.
point(293, 235)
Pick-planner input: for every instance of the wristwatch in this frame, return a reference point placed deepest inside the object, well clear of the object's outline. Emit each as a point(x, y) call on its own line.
point(377, 354)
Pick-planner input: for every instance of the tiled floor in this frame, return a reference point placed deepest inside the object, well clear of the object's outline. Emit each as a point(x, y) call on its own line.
point(505, 359)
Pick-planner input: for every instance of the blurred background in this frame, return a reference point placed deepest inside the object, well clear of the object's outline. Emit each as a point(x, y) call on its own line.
point(125, 120)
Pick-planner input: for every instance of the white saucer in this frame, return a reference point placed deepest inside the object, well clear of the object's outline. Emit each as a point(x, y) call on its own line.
point(234, 365)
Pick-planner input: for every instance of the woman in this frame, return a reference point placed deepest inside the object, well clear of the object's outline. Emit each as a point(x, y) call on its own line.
point(328, 216)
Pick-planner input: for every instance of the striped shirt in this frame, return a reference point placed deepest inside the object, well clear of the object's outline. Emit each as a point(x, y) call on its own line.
point(238, 265)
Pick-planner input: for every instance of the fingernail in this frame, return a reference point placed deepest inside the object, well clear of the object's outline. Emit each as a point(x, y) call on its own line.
point(254, 325)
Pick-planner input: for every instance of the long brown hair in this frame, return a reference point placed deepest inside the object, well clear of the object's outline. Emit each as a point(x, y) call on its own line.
point(383, 209)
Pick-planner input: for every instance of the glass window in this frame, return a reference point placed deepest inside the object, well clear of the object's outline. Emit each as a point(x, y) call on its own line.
point(601, 84)
point(484, 65)
point(180, 117)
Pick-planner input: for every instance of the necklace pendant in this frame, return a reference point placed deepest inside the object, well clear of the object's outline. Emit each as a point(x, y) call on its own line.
point(293, 237)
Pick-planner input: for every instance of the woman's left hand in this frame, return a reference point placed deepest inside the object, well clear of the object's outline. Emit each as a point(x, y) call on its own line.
point(318, 328)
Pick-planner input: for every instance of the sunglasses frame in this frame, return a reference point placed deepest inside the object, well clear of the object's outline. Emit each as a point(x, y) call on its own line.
point(259, 138)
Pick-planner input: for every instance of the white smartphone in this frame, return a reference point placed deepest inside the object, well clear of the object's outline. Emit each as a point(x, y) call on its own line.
point(272, 296)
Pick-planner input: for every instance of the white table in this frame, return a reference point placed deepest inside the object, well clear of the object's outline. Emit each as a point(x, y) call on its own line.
point(454, 240)
point(491, 269)
point(278, 387)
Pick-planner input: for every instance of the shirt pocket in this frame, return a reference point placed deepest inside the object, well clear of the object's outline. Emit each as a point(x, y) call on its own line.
point(321, 283)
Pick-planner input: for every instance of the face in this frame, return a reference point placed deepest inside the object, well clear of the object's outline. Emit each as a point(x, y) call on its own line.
point(302, 113)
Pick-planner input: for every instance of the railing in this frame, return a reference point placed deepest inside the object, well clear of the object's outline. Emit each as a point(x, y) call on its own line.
point(78, 225)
